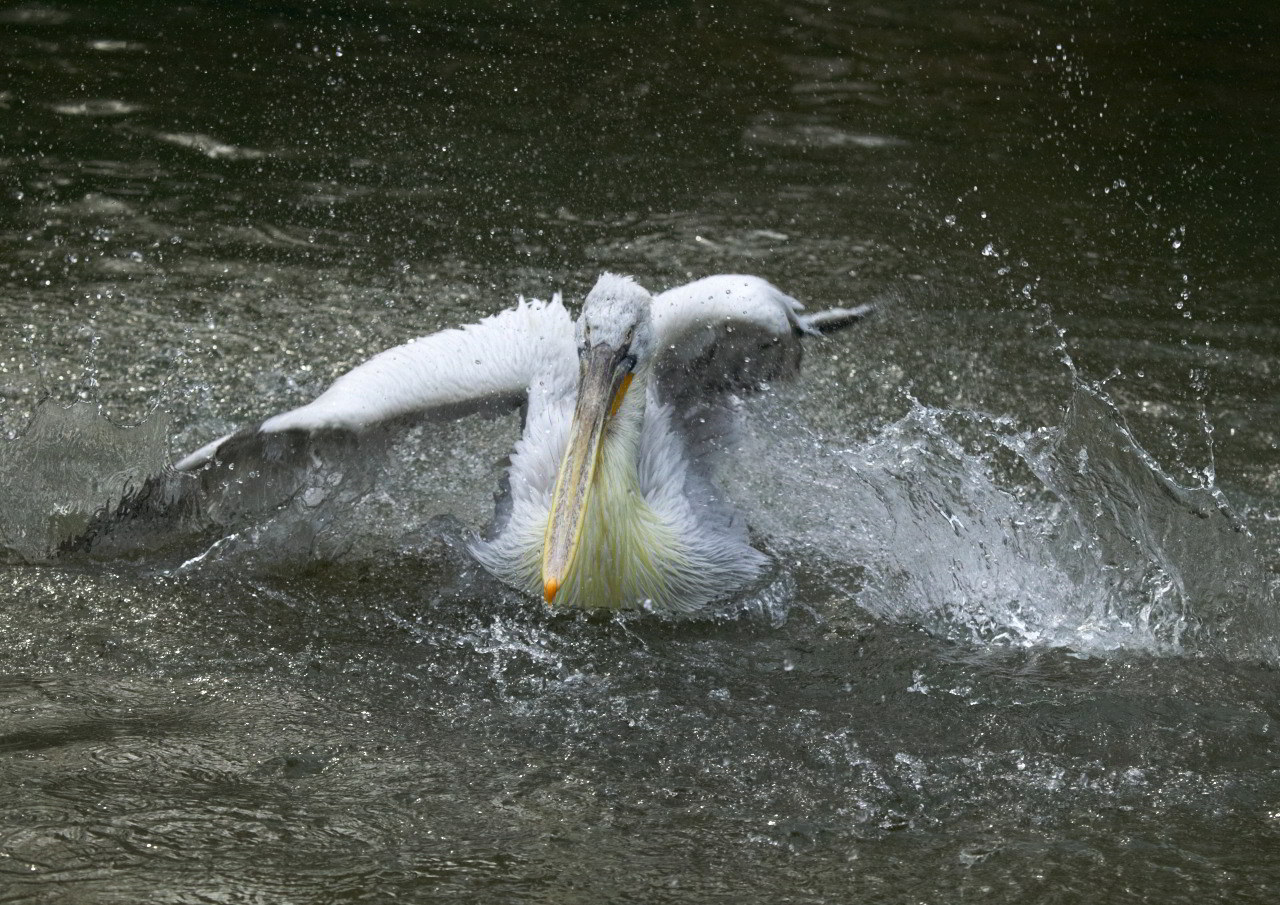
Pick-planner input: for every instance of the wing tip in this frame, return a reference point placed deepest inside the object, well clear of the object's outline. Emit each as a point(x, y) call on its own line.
point(201, 456)
point(834, 319)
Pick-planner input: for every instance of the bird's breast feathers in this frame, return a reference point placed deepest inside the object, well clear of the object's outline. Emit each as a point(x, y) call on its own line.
point(642, 547)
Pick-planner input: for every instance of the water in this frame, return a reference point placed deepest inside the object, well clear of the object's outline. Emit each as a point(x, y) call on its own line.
point(1020, 643)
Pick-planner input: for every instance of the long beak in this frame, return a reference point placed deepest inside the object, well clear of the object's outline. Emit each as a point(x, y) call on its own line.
point(603, 380)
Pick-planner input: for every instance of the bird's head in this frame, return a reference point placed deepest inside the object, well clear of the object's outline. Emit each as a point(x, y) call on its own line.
point(616, 316)
point(615, 340)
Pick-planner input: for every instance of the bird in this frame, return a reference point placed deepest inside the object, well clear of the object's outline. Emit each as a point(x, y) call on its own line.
point(608, 501)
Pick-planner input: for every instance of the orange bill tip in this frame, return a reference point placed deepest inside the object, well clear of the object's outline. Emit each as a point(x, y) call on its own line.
point(549, 589)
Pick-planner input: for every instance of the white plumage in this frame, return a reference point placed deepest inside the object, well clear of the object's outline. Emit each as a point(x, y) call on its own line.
point(610, 504)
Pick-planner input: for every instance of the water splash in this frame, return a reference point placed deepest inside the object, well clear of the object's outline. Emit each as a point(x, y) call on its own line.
point(1068, 536)
point(76, 483)
point(65, 466)
point(963, 523)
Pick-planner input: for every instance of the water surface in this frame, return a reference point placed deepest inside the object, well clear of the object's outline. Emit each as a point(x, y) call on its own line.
point(1021, 640)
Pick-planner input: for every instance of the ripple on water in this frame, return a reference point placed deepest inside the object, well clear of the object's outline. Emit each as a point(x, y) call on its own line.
point(97, 107)
point(806, 134)
point(209, 146)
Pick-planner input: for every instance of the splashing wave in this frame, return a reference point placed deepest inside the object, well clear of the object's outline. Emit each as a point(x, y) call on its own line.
point(1070, 536)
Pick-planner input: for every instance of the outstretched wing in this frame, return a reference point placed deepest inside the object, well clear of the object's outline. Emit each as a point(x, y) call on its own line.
point(488, 365)
point(718, 336)
point(732, 333)
point(331, 448)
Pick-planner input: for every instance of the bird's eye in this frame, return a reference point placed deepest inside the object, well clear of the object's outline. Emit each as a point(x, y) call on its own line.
point(629, 362)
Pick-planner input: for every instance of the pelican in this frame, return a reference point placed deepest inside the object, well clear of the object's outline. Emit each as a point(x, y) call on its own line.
point(608, 502)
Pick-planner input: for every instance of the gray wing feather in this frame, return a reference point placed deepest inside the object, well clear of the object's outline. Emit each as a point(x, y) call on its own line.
point(733, 333)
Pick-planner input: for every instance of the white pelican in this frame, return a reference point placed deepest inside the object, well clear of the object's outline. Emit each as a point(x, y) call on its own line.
point(609, 503)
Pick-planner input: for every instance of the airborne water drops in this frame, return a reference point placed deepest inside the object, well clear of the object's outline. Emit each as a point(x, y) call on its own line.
point(1016, 640)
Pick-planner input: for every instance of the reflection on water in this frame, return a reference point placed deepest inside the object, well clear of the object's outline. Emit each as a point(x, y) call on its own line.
point(1020, 641)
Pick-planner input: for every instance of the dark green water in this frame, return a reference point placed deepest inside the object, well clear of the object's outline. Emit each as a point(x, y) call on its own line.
point(1022, 640)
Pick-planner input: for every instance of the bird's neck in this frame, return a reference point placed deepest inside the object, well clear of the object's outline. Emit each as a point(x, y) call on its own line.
point(620, 453)
point(627, 546)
